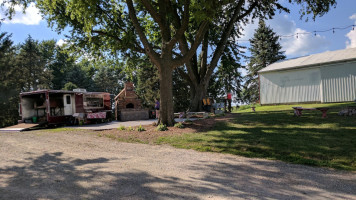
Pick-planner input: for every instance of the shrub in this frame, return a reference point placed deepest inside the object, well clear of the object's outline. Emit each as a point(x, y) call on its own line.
point(179, 125)
point(130, 128)
point(162, 127)
point(122, 128)
point(140, 128)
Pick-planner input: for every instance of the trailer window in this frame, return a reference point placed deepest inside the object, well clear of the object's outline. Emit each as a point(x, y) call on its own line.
point(68, 99)
point(93, 101)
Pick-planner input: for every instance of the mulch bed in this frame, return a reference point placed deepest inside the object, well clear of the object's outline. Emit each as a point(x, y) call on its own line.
point(151, 134)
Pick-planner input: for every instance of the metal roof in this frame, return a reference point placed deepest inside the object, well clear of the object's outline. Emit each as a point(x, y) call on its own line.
point(312, 60)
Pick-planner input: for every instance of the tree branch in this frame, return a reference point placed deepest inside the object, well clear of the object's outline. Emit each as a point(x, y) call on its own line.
point(148, 48)
point(182, 28)
point(225, 35)
point(204, 56)
point(159, 18)
point(137, 47)
point(198, 38)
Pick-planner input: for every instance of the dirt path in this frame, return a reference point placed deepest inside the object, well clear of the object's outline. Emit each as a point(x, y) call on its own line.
point(49, 165)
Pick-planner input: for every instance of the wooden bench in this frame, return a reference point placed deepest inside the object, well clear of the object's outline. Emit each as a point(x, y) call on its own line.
point(298, 111)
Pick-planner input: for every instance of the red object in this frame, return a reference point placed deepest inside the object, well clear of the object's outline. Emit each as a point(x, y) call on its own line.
point(97, 115)
point(229, 96)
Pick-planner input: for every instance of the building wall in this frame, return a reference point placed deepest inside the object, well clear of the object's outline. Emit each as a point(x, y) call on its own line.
point(339, 82)
point(291, 86)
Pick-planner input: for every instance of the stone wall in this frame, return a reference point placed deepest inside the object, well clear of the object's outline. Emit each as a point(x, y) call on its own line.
point(133, 114)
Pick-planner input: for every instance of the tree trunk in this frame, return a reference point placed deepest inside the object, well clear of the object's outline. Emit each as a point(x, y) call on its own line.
point(166, 101)
point(197, 96)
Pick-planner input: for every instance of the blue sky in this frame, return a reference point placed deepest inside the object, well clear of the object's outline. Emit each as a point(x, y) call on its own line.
point(283, 24)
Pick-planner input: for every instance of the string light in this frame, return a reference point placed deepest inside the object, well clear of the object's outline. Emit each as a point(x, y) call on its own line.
point(315, 32)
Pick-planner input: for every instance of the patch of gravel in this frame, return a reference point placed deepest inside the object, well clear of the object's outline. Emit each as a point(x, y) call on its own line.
point(79, 165)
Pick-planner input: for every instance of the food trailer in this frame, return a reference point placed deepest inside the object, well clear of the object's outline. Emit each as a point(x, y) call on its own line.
point(64, 107)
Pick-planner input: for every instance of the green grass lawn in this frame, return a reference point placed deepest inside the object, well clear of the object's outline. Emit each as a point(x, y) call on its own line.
point(273, 132)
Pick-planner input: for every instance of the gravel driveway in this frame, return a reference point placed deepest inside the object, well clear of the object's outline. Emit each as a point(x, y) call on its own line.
point(78, 165)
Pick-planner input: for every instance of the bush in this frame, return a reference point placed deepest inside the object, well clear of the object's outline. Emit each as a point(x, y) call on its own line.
point(162, 127)
point(122, 128)
point(130, 128)
point(179, 125)
point(140, 128)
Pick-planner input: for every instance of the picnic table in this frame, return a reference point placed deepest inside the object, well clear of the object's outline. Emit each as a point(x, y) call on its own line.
point(298, 111)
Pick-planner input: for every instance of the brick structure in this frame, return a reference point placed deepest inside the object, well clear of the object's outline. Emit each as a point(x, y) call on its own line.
point(128, 105)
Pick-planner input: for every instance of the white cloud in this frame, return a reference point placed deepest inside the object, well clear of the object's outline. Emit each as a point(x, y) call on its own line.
point(353, 17)
point(294, 47)
point(61, 42)
point(30, 17)
point(303, 45)
point(351, 42)
point(248, 31)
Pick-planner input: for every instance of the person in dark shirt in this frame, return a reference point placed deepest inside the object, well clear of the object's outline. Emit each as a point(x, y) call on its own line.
point(157, 105)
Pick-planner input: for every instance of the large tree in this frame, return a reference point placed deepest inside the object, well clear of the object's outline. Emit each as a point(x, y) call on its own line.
point(179, 26)
point(265, 50)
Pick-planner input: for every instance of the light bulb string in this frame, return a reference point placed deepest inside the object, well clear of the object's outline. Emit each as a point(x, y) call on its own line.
point(313, 32)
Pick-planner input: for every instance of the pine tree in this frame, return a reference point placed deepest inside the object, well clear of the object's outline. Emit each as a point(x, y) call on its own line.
point(9, 89)
point(265, 50)
point(34, 74)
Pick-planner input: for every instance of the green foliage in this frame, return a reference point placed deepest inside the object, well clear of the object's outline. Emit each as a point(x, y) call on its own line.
point(181, 93)
point(265, 50)
point(122, 128)
point(130, 128)
point(109, 76)
point(162, 127)
point(179, 125)
point(32, 63)
point(273, 132)
point(147, 83)
point(70, 86)
point(140, 128)
point(226, 78)
point(9, 84)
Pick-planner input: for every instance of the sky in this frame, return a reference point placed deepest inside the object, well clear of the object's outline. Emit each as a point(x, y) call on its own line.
point(343, 15)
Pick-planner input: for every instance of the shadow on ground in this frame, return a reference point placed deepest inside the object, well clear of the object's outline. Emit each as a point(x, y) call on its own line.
point(263, 179)
point(51, 176)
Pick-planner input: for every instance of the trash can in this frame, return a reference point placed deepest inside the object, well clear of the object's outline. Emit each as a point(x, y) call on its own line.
point(34, 119)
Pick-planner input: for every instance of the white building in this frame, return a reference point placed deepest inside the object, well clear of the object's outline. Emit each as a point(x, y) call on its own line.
point(324, 77)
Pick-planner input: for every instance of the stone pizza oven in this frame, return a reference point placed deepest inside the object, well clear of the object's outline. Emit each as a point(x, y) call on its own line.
point(128, 105)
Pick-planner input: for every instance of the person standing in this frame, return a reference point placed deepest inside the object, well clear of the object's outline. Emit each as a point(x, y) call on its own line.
point(229, 100)
point(157, 105)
